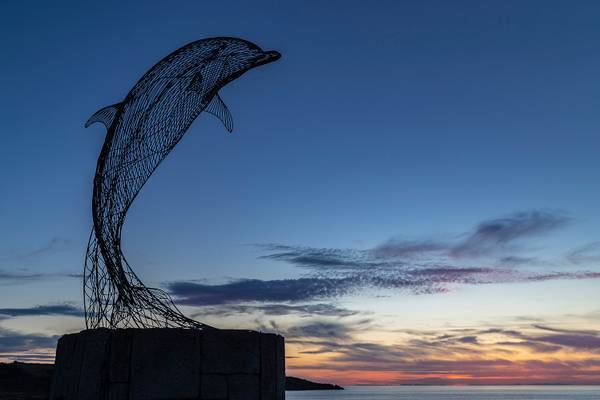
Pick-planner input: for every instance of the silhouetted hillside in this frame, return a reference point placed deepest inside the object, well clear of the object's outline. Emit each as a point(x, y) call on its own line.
point(292, 383)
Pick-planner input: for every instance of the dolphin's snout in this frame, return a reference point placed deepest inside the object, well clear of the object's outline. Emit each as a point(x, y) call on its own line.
point(273, 54)
point(268, 56)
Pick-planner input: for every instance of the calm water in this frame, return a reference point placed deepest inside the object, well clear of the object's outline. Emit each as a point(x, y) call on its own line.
point(452, 393)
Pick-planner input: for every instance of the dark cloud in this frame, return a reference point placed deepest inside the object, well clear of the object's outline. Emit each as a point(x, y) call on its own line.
point(492, 238)
point(294, 290)
point(532, 345)
point(321, 258)
point(583, 342)
point(575, 339)
point(543, 327)
point(517, 261)
point(329, 330)
point(493, 235)
point(507, 332)
point(468, 339)
point(414, 280)
point(310, 289)
point(428, 266)
point(487, 238)
point(321, 309)
point(408, 249)
point(541, 341)
point(12, 278)
point(560, 275)
point(417, 267)
point(302, 310)
point(58, 309)
point(13, 341)
point(325, 330)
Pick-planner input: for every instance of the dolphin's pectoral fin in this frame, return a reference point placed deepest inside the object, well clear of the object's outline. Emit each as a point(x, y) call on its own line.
point(217, 108)
point(105, 115)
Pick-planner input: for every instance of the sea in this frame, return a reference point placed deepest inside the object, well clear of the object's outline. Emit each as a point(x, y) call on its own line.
point(451, 393)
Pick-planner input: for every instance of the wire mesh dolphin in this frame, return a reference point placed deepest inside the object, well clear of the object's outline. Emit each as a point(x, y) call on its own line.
point(141, 131)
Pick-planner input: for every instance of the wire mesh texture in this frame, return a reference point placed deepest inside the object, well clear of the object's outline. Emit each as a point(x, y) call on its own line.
point(141, 131)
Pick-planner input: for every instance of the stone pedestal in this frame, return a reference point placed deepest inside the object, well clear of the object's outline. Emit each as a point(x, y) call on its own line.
point(153, 364)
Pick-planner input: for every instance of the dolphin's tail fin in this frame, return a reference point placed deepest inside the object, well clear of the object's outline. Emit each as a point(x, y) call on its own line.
point(133, 306)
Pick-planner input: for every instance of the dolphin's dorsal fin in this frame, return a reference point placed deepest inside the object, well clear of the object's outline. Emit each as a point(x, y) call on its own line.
point(105, 115)
point(217, 108)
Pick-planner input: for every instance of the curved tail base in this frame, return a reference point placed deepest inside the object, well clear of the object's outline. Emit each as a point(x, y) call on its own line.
point(131, 305)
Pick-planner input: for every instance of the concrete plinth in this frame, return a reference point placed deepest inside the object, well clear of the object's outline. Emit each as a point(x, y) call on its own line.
point(160, 364)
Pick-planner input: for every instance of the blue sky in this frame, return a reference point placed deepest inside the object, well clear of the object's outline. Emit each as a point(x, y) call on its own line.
point(407, 123)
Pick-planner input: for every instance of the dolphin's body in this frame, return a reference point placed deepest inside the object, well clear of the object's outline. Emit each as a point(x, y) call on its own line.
point(141, 131)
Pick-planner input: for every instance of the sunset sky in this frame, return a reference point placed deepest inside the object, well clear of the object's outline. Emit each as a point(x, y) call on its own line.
point(410, 195)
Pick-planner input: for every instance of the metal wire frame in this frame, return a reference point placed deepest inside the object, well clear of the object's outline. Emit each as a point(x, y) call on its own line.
point(141, 131)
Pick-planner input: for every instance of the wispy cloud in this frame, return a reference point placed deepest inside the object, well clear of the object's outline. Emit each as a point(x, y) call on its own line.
point(586, 254)
point(16, 277)
point(19, 275)
point(300, 310)
point(321, 329)
point(496, 239)
point(57, 309)
point(414, 280)
point(496, 235)
point(489, 237)
point(490, 253)
point(462, 341)
point(24, 276)
point(457, 355)
point(322, 258)
point(409, 249)
point(53, 245)
point(294, 290)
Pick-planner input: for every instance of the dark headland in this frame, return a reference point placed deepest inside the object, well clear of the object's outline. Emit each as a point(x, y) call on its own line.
point(32, 381)
point(292, 383)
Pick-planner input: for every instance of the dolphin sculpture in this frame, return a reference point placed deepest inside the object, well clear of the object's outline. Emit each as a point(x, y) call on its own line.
point(141, 131)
